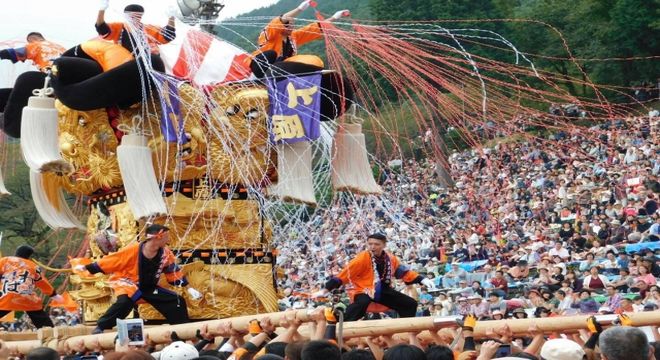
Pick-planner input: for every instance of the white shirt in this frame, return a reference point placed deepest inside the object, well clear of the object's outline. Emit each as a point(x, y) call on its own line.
point(562, 253)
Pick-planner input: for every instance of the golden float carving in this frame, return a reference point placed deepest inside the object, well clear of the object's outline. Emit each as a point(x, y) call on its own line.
point(230, 146)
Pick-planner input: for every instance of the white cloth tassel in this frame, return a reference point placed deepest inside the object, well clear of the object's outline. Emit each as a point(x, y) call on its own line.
point(3, 188)
point(55, 212)
point(137, 172)
point(294, 173)
point(350, 165)
point(39, 140)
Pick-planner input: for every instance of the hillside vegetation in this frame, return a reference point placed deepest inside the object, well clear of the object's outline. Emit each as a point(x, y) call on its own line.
point(599, 33)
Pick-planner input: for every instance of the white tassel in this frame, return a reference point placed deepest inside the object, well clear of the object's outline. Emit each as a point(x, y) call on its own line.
point(294, 173)
point(350, 165)
point(39, 135)
point(137, 172)
point(51, 205)
point(3, 188)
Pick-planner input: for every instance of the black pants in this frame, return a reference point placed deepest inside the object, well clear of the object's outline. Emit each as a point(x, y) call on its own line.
point(39, 318)
point(262, 62)
point(17, 99)
point(172, 306)
point(404, 305)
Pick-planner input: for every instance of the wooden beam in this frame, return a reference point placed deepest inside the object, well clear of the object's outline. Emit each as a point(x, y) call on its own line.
point(18, 336)
point(76, 337)
point(160, 334)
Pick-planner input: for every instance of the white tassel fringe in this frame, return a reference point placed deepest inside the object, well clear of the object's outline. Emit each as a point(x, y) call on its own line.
point(3, 188)
point(53, 209)
point(39, 140)
point(137, 172)
point(350, 165)
point(294, 173)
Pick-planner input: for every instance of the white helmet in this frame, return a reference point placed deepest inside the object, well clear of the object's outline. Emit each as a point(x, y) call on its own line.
point(179, 350)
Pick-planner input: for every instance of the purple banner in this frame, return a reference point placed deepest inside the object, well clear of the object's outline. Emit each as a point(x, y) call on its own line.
point(294, 114)
point(171, 123)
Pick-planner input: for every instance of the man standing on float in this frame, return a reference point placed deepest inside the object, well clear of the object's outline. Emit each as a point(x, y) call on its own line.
point(12, 100)
point(124, 33)
point(279, 41)
point(41, 51)
point(370, 275)
point(135, 271)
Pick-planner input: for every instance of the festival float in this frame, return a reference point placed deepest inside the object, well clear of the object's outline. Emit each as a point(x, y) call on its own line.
point(202, 156)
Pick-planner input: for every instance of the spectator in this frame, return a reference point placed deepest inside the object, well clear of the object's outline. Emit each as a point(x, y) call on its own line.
point(454, 276)
point(645, 275)
point(624, 343)
point(559, 250)
point(585, 303)
point(614, 298)
point(520, 271)
point(595, 281)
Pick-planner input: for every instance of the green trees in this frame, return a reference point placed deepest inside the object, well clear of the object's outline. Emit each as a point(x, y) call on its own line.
point(599, 33)
point(594, 30)
point(20, 221)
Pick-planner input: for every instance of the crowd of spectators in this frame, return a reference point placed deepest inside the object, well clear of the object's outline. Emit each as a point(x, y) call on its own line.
point(560, 224)
point(58, 316)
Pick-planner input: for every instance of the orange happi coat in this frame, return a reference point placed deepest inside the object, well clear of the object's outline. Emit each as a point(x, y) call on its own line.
point(19, 279)
point(359, 275)
point(107, 54)
point(42, 53)
point(154, 35)
point(124, 269)
point(272, 36)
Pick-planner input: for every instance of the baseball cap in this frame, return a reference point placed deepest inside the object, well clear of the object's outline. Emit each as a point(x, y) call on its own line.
point(562, 349)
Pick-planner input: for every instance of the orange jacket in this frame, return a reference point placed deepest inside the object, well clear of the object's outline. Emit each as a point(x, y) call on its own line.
point(42, 53)
point(154, 35)
point(108, 55)
point(19, 278)
point(272, 36)
point(124, 269)
point(359, 275)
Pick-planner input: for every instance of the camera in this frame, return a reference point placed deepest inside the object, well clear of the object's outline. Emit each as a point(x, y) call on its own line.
point(130, 331)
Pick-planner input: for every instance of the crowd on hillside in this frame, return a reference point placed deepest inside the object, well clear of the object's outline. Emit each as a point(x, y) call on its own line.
point(562, 224)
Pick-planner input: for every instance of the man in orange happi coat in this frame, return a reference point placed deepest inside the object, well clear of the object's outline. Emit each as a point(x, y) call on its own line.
point(41, 51)
point(369, 278)
point(279, 41)
point(124, 33)
point(19, 277)
point(135, 271)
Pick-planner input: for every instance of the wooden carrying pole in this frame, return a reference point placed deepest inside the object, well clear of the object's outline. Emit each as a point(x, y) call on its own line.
point(517, 326)
point(355, 329)
point(18, 336)
point(160, 334)
point(22, 347)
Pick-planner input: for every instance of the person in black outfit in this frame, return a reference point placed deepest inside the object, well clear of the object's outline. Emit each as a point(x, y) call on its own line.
point(371, 275)
point(134, 275)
